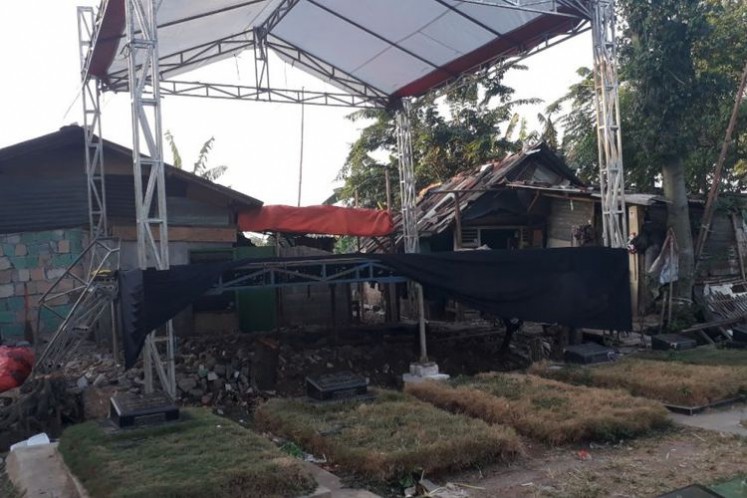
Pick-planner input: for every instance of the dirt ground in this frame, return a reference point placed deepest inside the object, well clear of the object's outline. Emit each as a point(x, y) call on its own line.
point(383, 354)
point(643, 468)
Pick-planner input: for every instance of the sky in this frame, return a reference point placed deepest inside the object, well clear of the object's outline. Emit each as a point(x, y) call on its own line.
point(260, 142)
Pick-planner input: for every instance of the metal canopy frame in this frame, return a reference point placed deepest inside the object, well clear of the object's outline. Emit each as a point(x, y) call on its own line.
point(146, 81)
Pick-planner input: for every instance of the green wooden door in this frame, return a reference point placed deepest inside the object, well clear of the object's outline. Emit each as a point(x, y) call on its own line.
point(256, 308)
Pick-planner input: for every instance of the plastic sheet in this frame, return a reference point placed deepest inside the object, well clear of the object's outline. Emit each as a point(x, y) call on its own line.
point(15, 366)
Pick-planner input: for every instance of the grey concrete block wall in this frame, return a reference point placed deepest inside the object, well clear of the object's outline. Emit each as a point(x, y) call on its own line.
point(30, 263)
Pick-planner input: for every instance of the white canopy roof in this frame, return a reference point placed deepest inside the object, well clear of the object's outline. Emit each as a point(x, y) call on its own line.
point(388, 48)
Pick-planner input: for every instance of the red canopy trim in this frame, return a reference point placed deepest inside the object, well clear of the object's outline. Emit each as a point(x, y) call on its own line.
point(111, 31)
point(509, 44)
point(326, 220)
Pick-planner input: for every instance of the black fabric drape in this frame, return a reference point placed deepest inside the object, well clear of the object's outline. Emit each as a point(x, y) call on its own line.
point(578, 287)
point(150, 298)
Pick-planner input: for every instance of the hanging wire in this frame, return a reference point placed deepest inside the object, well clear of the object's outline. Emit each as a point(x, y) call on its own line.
point(300, 162)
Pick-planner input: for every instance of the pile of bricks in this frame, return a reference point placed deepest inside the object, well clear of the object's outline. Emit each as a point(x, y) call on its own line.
point(30, 263)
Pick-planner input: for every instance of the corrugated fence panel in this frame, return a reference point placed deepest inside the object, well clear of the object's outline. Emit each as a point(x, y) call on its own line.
point(43, 203)
point(564, 215)
point(720, 252)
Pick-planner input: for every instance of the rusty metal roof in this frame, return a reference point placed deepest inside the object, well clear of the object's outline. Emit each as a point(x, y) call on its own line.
point(536, 167)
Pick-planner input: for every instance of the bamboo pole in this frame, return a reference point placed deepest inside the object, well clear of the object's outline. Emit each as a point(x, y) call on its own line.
point(710, 206)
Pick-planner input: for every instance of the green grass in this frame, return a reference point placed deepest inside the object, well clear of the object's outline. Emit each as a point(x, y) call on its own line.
point(704, 355)
point(670, 382)
point(546, 410)
point(202, 456)
point(736, 487)
point(389, 438)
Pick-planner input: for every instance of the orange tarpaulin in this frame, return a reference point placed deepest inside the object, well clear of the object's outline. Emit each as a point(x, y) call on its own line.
point(327, 220)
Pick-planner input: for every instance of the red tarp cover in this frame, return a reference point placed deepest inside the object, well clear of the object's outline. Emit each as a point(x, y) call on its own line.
point(326, 220)
point(15, 366)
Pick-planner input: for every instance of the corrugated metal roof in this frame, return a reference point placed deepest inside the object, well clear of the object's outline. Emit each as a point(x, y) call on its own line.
point(35, 204)
point(73, 135)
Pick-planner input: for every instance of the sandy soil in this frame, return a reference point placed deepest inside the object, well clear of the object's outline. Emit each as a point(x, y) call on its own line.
point(642, 468)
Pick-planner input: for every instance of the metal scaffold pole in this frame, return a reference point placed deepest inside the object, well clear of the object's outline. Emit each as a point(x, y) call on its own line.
point(150, 202)
point(408, 197)
point(609, 133)
point(91, 100)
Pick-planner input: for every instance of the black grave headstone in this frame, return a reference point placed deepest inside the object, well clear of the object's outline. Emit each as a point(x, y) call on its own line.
point(336, 386)
point(127, 410)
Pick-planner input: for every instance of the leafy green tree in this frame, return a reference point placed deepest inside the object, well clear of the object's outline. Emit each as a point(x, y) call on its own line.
point(680, 64)
point(579, 145)
point(200, 166)
point(369, 155)
point(681, 60)
point(451, 133)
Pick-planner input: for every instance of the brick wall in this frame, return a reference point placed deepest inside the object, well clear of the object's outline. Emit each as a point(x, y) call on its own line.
point(30, 263)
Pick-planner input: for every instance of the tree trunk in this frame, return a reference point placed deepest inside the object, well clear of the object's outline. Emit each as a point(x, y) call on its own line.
point(675, 192)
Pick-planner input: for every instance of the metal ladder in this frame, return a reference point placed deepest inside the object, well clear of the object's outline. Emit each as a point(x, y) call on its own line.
point(92, 294)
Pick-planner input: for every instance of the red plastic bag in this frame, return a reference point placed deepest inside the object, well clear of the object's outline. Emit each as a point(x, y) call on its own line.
point(15, 366)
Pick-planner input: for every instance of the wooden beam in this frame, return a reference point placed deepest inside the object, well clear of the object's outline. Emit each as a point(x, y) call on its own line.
point(181, 234)
point(713, 325)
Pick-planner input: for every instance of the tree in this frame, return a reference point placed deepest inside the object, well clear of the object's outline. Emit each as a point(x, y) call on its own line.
point(200, 166)
point(678, 58)
point(580, 142)
point(658, 63)
point(451, 133)
point(579, 145)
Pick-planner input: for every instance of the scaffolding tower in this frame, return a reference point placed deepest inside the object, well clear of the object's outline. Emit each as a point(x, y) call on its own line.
point(609, 132)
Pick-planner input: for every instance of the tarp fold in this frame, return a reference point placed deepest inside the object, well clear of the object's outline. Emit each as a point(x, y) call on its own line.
point(324, 220)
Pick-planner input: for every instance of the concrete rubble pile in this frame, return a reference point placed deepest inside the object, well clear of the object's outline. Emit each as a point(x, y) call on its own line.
point(215, 373)
point(235, 371)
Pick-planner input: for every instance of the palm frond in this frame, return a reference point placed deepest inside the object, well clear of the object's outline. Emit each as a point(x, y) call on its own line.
point(174, 150)
point(200, 166)
point(214, 173)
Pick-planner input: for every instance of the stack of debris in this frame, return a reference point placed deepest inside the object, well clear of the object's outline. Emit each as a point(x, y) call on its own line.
point(215, 372)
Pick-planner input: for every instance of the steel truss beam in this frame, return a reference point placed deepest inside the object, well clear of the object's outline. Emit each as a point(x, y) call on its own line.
point(261, 58)
point(191, 57)
point(150, 203)
point(609, 133)
point(312, 272)
point(326, 71)
point(264, 94)
point(90, 98)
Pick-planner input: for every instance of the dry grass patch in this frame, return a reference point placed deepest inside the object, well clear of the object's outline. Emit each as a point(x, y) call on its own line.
point(703, 355)
point(546, 410)
point(203, 455)
point(390, 437)
point(670, 382)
